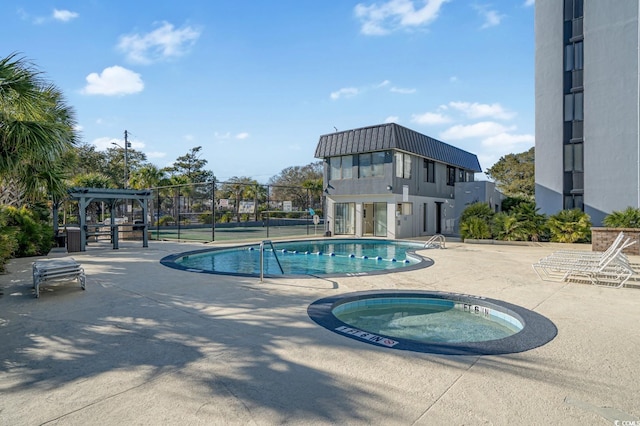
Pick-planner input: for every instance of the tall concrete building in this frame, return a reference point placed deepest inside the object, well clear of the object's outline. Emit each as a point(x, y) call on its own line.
point(587, 105)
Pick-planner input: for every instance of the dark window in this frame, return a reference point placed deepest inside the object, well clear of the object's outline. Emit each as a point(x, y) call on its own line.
point(429, 171)
point(573, 158)
point(461, 175)
point(451, 176)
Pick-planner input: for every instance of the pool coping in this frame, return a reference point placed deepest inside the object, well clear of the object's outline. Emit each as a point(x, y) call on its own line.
point(424, 262)
point(537, 331)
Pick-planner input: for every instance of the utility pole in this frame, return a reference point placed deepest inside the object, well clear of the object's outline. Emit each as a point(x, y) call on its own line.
point(126, 155)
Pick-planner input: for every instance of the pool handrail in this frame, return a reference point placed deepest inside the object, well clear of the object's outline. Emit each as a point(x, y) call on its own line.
point(437, 240)
point(262, 243)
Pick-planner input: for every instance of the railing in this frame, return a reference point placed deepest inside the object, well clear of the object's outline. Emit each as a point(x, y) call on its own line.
point(262, 258)
point(437, 241)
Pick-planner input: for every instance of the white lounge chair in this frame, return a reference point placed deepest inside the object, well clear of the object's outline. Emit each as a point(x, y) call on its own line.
point(62, 269)
point(610, 268)
point(587, 255)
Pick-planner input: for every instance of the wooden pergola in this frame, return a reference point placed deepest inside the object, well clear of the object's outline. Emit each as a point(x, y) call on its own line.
point(84, 196)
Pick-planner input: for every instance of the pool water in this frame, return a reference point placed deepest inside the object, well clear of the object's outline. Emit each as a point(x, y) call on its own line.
point(427, 320)
point(312, 257)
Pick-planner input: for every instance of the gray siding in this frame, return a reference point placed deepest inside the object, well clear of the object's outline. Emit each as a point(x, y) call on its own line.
point(549, 108)
point(611, 100)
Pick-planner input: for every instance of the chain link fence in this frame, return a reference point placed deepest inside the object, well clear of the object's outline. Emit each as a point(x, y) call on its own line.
point(228, 211)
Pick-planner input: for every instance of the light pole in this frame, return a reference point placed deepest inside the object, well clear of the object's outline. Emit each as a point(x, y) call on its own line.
point(127, 145)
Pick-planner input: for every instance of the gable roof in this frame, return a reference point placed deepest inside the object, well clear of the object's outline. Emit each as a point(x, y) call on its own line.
point(393, 136)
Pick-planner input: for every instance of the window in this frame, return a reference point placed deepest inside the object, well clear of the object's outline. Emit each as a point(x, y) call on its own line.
point(364, 165)
point(344, 218)
point(573, 158)
point(451, 176)
point(371, 164)
point(568, 57)
point(341, 167)
point(403, 165)
point(404, 209)
point(377, 164)
point(429, 171)
point(461, 175)
point(578, 62)
point(574, 106)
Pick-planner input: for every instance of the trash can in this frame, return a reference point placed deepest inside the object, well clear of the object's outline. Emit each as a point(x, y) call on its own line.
point(61, 239)
point(73, 240)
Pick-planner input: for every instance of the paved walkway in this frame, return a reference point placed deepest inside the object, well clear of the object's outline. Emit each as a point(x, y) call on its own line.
point(146, 344)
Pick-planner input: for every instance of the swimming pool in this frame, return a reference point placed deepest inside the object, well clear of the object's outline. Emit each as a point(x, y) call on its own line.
point(306, 257)
point(433, 322)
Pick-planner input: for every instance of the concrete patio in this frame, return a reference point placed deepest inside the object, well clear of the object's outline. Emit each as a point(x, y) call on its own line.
point(146, 344)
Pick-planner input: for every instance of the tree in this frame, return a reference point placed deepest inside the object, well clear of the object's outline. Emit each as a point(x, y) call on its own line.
point(240, 188)
point(514, 174)
point(192, 166)
point(288, 184)
point(36, 130)
point(115, 163)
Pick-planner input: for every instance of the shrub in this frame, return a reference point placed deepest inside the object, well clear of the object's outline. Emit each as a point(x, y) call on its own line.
point(33, 237)
point(8, 242)
point(531, 225)
point(481, 210)
point(505, 227)
point(475, 221)
point(475, 227)
point(570, 226)
point(164, 220)
point(205, 218)
point(628, 218)
point(510, 203)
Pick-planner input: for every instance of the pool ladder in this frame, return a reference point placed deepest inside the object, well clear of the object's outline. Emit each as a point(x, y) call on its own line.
point(262, 244)
point(437, 241)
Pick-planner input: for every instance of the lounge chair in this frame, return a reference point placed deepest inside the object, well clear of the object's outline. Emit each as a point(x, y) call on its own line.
point(610, 268)
point(62, 269)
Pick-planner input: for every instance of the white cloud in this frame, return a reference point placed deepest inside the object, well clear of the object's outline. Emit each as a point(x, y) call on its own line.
point(64, 15)
point(222, 136)
point(346, 92)
point(528, 3)
point(164, 42)
point(156, 154)
point(402, 91)
point(477, 110)
point(482, 129)
point(103, 143)
point(113, 81)
point(453, 79)
point(383, 84)
point(392, 119)
point(243, 135)
point(385, 17)
point(430, 118)
point(188, 138)
point(106, 142)
point(491, 17)
point(507, 140)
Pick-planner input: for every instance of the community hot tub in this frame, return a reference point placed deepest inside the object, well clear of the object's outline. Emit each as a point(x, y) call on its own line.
point(433, 322)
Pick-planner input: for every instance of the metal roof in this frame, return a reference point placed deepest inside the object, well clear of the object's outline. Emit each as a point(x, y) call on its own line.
point(394, 136)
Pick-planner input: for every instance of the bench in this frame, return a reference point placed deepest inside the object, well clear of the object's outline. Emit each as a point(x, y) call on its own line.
point(57, 270)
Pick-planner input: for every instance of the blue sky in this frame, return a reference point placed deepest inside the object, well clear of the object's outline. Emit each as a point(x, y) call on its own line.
point(255, 83)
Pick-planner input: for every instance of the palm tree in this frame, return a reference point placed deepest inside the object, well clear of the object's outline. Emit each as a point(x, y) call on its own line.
point(148, 176)
point(36, 130)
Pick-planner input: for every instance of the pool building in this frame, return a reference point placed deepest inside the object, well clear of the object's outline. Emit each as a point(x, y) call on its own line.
point(390, 181)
